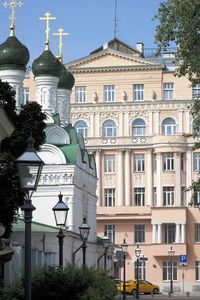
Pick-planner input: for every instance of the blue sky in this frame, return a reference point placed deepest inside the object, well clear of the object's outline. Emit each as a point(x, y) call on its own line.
point(89, 23)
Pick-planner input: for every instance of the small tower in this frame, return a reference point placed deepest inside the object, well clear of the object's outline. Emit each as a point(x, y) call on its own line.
point(65, 84)
point(46, 69)
point(14, 57)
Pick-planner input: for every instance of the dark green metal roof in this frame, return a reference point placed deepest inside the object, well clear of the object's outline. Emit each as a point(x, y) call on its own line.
point(46, 65)
point(66, 80)
point(13, 54)
point(70, 152)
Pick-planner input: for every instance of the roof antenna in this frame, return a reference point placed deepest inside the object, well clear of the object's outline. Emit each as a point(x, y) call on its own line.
point(115, 20)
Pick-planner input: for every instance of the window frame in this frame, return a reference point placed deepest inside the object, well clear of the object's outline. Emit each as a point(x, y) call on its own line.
point(109, 93)
point(196, 162)
point(168, 128)
point(140, 128)
point(138, 92)
point(168, 161)
point(26, 95)
point(167, 268)
point(106, 130)
point(139, 196)
point(139, 162)
point(139, 233)
point(169, 233)
point(168, 91)
point(80, 94)
point(196, 91)
point(168, 196)
point(109, 197)
point(109, 163)
point(82, 130)
point(109, 230)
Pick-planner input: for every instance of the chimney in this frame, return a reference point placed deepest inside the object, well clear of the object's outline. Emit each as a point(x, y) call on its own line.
point(105, 45)
point(140, 47)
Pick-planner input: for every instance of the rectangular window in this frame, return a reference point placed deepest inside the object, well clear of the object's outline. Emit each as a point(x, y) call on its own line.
point(155, 196)
point(139, 233)
point(26, 95)
point(138, 90)
point(139, 196)
point(197, 270)
point(169, 270)
point(168, 196)
point(169, 233)
point(109, 93)
point(109, 230)
point(168, 90)
point(197, 233)
point(109, 163)
point(141, 270)
point(183, 196)
point(196, 91)
point(182, 161)
point(109, 197)
point(168, 161)
point(80, 92)
point(139, 162)
point(196, 162)
point(196, 198)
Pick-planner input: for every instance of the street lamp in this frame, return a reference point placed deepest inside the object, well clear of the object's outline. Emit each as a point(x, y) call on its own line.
point(105, 241)
point(137, 254)
point(60, 213)
point(29, 167)
point(171, 252)
point(84, 230)
point(124, 247)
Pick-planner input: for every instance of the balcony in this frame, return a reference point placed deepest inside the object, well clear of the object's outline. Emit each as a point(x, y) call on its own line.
point(162, 249)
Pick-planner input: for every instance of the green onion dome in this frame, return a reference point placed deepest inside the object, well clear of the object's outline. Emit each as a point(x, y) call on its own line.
point(46, 65)
point(13, 54)
point(66, 80)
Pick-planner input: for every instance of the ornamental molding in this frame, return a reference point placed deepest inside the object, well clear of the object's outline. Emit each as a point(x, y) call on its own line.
point(56, 179)
point(108, 115)
point(80, 115)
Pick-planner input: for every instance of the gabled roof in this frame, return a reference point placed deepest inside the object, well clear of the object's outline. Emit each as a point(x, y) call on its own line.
point(118, 45)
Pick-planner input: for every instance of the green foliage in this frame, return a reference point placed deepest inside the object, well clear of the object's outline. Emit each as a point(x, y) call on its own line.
point(29, 120)
point(179, 23)
point(71, 283)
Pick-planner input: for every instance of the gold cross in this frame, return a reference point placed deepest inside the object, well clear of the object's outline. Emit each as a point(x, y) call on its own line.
point(47, 18)
point(61, 34)
point(12, 4)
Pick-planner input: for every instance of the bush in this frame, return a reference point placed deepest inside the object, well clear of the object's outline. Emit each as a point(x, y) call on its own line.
point(71, 283)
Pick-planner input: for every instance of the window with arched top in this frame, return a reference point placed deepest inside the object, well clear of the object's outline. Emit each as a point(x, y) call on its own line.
point(109, 129)
point(138, 127)
point(81, 127)
point(196, 126)
point(168, 126)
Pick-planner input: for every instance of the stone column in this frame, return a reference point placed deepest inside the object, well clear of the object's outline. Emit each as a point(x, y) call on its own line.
point(127, 178)
point(98, 167)
point(183, 233)
point(180, 122)
point(149, 174)
point(157, 122)
point(159, 233)
point(150, 127)
point(154, 239)
point(189, 166)
point(120, 178)
point(177, 236)
point(158, 177)
point(177, 167)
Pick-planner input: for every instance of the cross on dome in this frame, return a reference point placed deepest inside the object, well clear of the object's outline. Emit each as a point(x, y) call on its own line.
point(47, 18)
point(12, 4)
point(60, 34)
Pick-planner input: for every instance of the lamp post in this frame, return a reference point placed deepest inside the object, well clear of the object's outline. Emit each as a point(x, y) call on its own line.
point(84, 229)
point(137, 254)
point(124, 247)
point(29, 167)
point(171, 252)
point(60, 213)
point(105, 242)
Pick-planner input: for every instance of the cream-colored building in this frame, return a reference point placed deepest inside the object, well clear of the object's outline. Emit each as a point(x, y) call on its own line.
point(133, 114)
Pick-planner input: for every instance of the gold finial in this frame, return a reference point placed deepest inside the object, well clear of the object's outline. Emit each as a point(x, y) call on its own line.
point(12, 4)
point(60, 33)
point(47, 18)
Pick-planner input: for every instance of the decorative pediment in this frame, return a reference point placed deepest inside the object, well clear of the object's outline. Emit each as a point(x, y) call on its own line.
point(113, 59)
point(52, 155)
point(57, 136)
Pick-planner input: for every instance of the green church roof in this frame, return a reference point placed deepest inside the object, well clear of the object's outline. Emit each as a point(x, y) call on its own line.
point(70, 152)
point(66, 80)
point(46, 65)
point(13, 54)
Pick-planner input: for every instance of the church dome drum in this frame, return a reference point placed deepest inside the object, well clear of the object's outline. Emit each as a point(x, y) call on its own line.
point(13, 54)
point(46, 65)
point(66, 80)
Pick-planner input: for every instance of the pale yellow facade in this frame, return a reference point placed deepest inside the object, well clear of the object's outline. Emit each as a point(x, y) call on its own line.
point(144, 161)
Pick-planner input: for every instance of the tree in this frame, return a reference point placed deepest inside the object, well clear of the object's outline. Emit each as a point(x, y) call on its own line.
point(179, 23)
point(29, 120)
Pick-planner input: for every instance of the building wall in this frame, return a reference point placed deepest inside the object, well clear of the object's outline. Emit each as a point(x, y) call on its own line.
point(123, 71)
